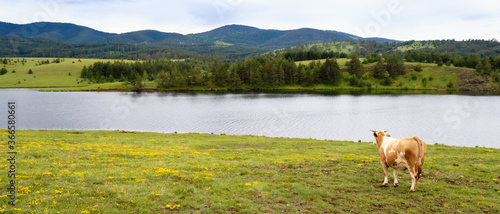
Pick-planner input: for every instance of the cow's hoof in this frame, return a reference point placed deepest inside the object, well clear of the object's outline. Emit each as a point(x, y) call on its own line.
point(411, 190)
point(384, 185)
point(396, 185)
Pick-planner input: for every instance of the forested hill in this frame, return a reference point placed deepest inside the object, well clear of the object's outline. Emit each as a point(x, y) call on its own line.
point(230, 35)
point(54, 31)
point(146, 36)
point(272, 39)
point(231, 43)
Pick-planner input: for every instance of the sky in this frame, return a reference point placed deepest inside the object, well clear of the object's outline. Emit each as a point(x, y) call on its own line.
point(394, 19)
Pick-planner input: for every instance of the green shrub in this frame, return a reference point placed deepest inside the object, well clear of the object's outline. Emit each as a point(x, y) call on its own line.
point(3, 71)
point(418, 68)
point(387, 81)
point(354, 81)
point(450, 84)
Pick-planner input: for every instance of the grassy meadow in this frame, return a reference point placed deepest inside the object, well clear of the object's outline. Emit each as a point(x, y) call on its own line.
point(134, 172)
point(53, 75)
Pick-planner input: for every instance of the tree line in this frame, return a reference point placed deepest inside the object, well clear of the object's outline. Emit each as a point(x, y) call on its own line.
point(302, 55)
point(486, 65)
point(256, 72)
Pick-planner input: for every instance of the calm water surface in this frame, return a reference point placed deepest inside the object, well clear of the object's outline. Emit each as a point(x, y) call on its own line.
point(459, 120)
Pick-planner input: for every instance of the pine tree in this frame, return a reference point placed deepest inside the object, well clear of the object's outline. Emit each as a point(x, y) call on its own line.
point(486, 66)
point(308, 77)
point(439, 60)
point(408, 56)
point(235, 79)
point(162, 80)
point(379, 69)
point(178, 79)
point(479, 67)
point(395, 66)
point(330, 72)
point(455, 60)
point(220, 74)
point(355, 67)
point(135, 80)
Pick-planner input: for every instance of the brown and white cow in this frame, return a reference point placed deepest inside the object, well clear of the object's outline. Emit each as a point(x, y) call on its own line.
point(400, 154)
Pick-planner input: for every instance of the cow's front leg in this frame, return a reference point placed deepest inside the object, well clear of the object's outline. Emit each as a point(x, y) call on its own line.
point(395, 173)
point(384, 166)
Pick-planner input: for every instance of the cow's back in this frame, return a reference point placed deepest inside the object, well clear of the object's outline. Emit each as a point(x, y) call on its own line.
point(401, 152)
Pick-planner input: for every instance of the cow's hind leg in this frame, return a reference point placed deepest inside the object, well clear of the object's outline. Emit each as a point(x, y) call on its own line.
point(413, 175)
point(395, 173)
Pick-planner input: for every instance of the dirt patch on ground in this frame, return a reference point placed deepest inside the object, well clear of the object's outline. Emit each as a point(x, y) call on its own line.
point(471, 81)
point(76, 133)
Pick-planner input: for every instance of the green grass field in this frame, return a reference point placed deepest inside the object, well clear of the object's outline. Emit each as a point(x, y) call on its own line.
point(124, 172)
point(53, 75)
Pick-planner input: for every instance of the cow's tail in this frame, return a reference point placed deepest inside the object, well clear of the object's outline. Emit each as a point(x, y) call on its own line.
point(418, 164)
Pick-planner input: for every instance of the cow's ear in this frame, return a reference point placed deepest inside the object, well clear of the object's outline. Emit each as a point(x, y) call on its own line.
point(388, 135)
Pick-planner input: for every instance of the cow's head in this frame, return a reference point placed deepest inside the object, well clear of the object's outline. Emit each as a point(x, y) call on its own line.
point(379, 136)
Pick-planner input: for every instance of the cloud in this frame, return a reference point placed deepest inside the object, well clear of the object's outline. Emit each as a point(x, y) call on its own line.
point(425, 19)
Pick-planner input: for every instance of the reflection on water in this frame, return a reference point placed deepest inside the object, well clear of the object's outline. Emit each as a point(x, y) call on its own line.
point(461, 120)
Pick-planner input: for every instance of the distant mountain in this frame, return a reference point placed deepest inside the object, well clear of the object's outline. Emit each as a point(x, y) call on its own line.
point(378, 39)
point(272, 39)
point(54, 31)
point(147, 36)
point(222, 33)
point(302, 36)
point(233, 34)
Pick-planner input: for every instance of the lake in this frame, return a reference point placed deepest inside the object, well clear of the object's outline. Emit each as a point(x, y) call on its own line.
point(459, 120)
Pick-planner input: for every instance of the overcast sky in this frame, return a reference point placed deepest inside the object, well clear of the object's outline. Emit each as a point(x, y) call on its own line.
point(394, 19)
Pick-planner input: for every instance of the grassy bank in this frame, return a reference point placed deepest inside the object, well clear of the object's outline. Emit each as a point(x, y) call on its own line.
point(123, 172)
point(65, 76)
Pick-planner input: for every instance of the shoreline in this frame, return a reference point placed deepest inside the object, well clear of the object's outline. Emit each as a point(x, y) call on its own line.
point(229, 89)
point(73, 131)
point(320, 90)
point(292, 90)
